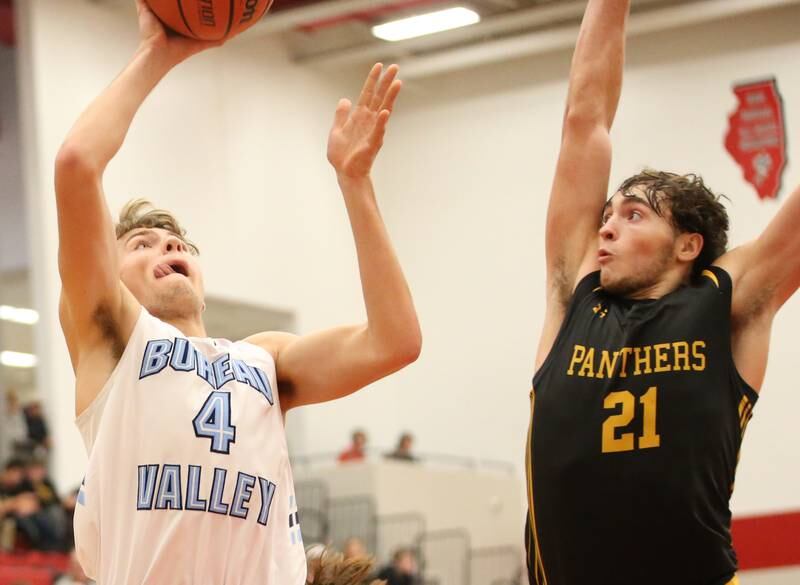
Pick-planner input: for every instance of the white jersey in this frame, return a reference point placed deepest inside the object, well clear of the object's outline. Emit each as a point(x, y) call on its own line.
point(188, 480)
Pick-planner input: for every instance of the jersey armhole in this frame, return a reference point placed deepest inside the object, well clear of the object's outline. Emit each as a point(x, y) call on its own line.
point(588, 285)
point(91, 411)
point(724, 283)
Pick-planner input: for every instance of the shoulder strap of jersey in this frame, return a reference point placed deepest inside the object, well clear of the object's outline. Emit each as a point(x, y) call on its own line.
point(717, 277)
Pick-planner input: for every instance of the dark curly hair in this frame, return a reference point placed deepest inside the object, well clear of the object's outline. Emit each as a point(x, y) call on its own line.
point(693, 207)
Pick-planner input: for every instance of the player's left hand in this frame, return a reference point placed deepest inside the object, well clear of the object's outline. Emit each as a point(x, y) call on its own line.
point(357, 133)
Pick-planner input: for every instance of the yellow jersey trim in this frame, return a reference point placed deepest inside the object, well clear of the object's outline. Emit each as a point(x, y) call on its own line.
point(712, 276)
point(538, 565)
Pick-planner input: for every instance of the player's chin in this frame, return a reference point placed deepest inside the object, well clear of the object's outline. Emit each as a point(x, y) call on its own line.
point(613, 282)
point(606, 277)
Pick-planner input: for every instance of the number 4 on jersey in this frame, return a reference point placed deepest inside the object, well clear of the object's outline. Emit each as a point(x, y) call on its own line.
point(214, 422)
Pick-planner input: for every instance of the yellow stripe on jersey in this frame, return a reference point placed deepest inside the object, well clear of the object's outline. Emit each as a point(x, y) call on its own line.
point(712, 276)
point(745, 412)
point(734, 581)
point(538, 567)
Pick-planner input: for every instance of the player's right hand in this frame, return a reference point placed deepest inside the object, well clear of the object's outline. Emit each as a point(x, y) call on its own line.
point(174, 47)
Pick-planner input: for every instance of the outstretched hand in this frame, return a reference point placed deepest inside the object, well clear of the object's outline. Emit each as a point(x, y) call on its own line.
point(358, 131)
point(176, 47)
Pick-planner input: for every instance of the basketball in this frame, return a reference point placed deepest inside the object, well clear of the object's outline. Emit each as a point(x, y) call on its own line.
point(209, 20)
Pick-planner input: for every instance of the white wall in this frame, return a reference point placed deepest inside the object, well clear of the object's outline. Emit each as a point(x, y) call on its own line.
point(233, 141)
point(13, 236)
point(466, 183)
point(463, 181)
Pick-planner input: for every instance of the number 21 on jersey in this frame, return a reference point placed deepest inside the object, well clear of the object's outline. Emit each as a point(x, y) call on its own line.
point(615, 442)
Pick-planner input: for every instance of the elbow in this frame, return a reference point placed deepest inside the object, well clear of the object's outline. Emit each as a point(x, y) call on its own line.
point(73, 161)
point(403, 350)
point(411, 349)
point(583, 119)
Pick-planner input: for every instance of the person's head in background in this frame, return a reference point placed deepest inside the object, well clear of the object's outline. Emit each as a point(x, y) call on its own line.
point(13, 473)
point(404, 561)
point(36, 470)
point(12, 402)
point(405, 443)
point(34, 409)
point(354, 548)
point(359, 439)
point(328, 567)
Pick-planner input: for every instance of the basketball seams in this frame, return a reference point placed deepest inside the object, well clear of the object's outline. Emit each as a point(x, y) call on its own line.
point(185, 20)
point(231, 9)
point(179, 16)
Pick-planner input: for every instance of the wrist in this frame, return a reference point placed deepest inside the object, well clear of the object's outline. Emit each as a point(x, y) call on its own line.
point(353, 181)
point(156, 56)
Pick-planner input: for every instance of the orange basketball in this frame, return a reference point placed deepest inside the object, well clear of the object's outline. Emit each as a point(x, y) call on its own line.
point(209, 20)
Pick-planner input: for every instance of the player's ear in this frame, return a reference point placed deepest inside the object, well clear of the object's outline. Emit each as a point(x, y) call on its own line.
point(689, 246)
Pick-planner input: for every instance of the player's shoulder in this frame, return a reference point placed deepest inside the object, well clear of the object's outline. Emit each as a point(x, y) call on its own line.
point(271, 341)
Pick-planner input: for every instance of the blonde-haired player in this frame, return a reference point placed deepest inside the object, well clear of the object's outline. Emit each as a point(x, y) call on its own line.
point(188, 478)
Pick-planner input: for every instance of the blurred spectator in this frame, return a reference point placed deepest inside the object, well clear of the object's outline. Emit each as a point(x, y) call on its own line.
point(403, 449)
point(37, 427)
point(25, 523)
point(402, 570)
point(75, 574)
point(49, 502)
point(13, 428)
point(355, 452)
point(12, 479)
point(354, 548)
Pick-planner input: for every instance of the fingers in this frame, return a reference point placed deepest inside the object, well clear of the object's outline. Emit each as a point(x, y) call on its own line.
point(391, 95)
point(368, 91)
point(342, 113)
point(385, 84)
point(379, 131)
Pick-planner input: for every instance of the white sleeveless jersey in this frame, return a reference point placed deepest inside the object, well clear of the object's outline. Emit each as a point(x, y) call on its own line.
point(188, 480)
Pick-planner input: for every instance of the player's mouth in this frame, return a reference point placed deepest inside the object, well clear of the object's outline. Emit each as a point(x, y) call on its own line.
point(168, 269)
point(604, 255)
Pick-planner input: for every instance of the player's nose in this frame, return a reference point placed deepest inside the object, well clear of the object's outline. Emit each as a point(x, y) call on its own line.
point(174, 244)
point(608, 230)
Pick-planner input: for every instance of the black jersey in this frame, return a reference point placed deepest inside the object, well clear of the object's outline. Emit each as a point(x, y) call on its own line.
point(637, 416)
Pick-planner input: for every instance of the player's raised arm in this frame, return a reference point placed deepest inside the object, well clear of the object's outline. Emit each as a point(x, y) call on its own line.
point(331, 364)
point(580, 186)
point(87, 244)
point(96, 309)
point(765, 273)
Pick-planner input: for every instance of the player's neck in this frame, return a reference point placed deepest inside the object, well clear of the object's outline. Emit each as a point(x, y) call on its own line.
point(669, 282)
point(189, 326)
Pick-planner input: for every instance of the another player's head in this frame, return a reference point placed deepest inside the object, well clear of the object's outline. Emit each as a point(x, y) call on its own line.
point(328, 567)
point(157, 263)
point(659, 226)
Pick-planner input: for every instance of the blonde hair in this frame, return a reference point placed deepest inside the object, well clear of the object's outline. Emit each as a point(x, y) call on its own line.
point(141, 213)
point(331, 568)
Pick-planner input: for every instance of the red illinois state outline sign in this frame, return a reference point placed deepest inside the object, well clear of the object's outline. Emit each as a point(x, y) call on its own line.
point(756, 136)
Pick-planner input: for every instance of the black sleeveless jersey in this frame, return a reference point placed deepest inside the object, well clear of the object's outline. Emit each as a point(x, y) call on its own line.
point(637, 416)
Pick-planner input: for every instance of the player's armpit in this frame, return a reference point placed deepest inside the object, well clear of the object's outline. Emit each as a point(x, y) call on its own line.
point(766, 271)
